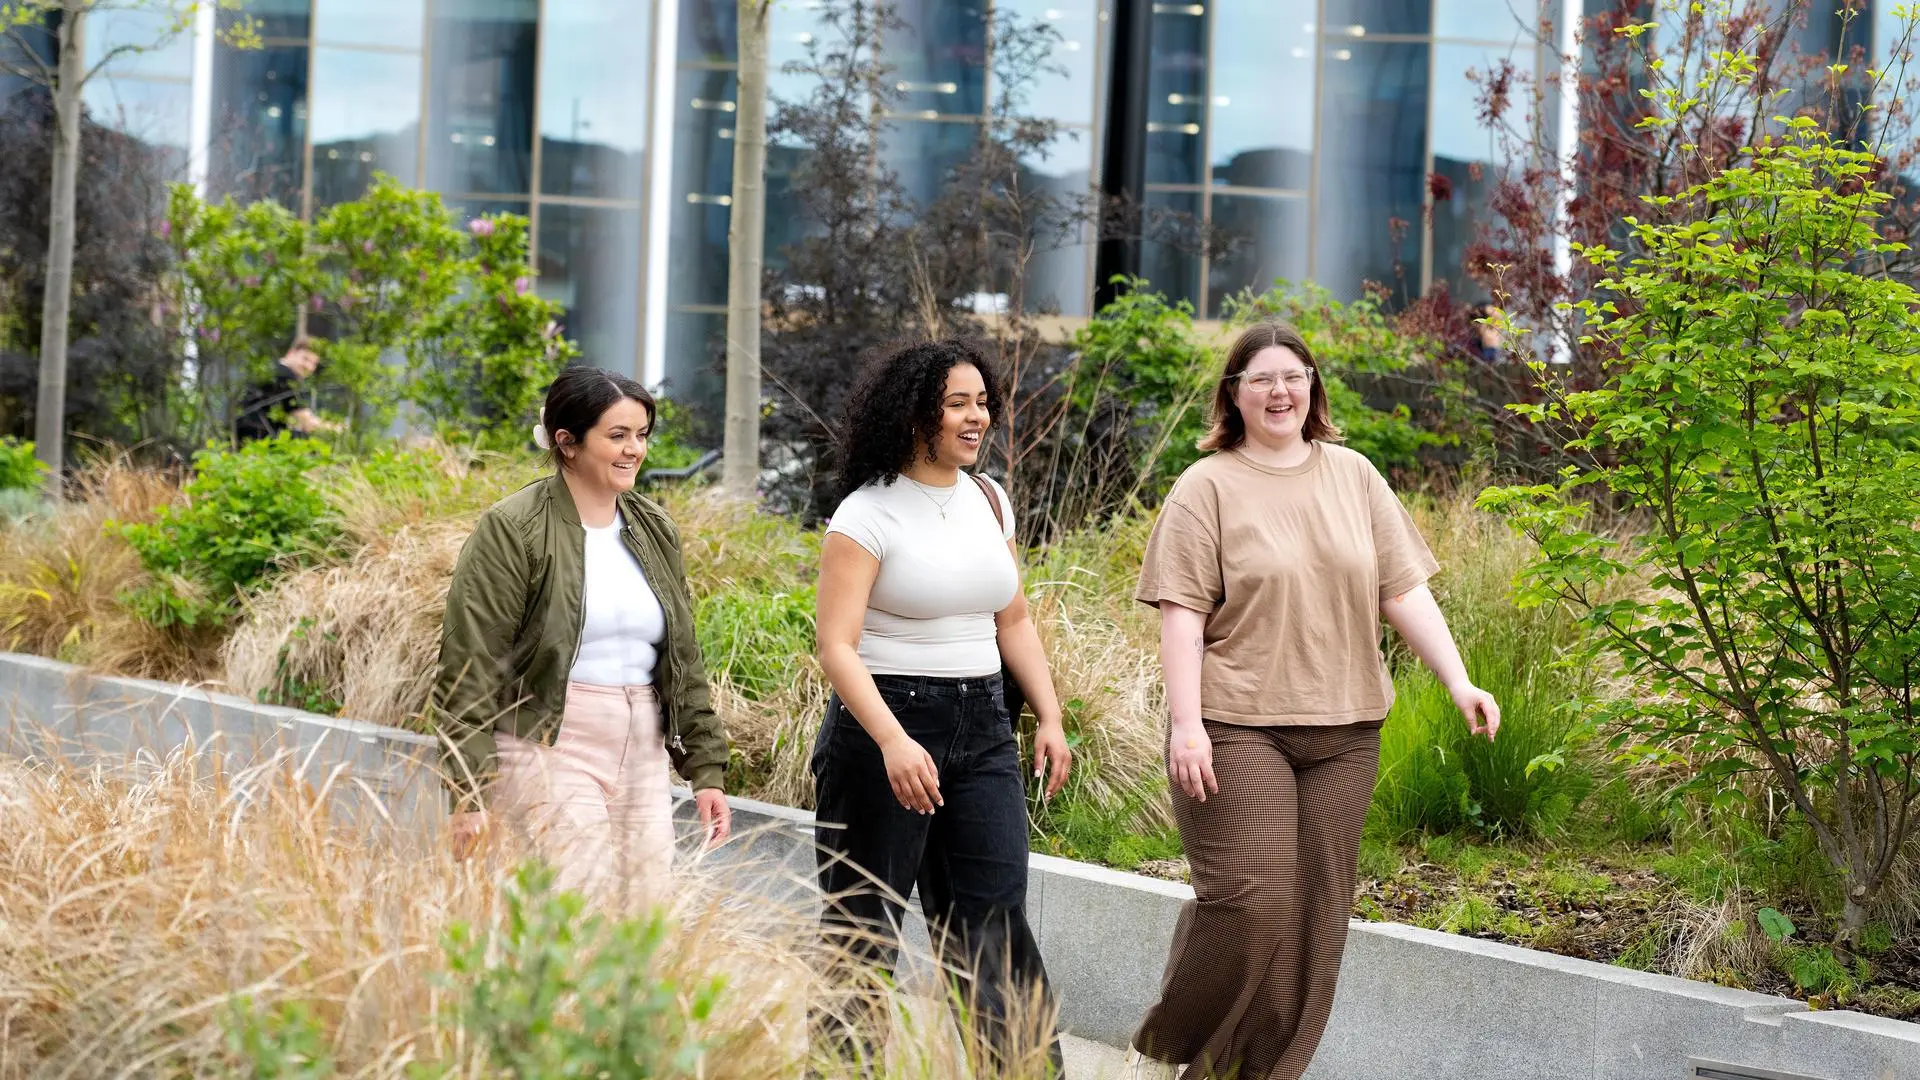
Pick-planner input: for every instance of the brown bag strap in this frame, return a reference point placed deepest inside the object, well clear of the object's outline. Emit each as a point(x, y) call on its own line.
point(992, 500)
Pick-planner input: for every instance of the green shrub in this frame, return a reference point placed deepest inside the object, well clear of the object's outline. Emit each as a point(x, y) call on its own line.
point(244, 513)
point(556, 991)
point(19, 469)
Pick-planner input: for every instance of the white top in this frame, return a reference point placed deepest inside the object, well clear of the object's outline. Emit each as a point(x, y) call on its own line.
point(624, 623)
point(942, 579)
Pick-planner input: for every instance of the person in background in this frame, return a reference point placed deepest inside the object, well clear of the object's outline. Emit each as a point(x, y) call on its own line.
point(569, 673)
point(1484, 339)
point(1272, 563)
point(283, 402)
point(916, 766)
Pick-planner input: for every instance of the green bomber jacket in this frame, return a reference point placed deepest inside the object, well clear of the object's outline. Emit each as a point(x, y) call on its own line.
point(512, 631)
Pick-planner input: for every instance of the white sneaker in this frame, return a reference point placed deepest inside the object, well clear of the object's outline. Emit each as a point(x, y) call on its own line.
point(1141, 1067)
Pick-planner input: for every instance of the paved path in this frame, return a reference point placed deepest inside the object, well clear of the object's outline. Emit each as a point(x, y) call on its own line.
point(1088, 1060)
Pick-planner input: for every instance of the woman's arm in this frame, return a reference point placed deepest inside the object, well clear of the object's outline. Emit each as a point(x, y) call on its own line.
point(847, 574)
point(1416, 615)
point(1183, 645)
point(1026, 659)
point(483, 612)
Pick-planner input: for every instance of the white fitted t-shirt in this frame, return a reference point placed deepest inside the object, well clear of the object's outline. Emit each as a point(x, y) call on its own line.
point(941, 580)
point(624, 623)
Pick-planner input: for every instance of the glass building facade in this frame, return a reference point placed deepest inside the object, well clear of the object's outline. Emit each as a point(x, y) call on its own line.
point(1311, 133)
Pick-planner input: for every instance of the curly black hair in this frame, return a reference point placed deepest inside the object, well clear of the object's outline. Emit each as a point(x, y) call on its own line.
point(894, 408)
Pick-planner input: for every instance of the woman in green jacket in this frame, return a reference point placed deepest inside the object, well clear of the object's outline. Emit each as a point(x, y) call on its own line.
point(569, 673)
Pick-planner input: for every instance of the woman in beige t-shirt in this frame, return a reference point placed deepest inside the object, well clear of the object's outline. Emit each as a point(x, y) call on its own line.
point(1272, 564)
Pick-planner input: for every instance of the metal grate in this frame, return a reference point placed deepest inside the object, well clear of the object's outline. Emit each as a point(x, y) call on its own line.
point(1715, 1070)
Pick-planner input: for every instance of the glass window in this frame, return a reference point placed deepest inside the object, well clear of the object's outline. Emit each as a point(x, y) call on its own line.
point(709, 28)
point(1464, 153)
point(273, 19)
point(696, 364)
point(1262, 104)
point(366, 117)
point(1370, 18)
point(1265, 240)
point(1487, 20)
point(924, 154)
point(939, 56)
point(390, 24)
point(793, 29)
point(1066, 93)
point(157, 112)
point(465, 210)
point(1060, 271)
point(259, 128)
point(163, 39)
point(1176, 95)
point(1372, 187)
point(480, 123)
point(703, 188)
point(1170, 257)
point(593, 100)
point(590, 264)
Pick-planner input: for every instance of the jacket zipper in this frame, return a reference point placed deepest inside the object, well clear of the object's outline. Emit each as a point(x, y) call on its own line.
point(666, 642)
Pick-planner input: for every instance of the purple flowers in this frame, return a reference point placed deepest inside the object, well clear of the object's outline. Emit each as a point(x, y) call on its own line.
point(166, 229)
point(366, 246)
point(252, 281)
point(522, 284)
point(480, 227)
point(318, 302)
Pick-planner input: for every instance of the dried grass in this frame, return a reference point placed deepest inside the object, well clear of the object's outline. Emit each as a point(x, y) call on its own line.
point(62, 575)
point(137, 906)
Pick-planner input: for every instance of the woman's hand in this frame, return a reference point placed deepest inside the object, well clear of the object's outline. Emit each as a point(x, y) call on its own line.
point(468, 828)
point(1478, 706)
point(1190, 760)
point(910, 769)
point(1051, 758)
point(716, 817)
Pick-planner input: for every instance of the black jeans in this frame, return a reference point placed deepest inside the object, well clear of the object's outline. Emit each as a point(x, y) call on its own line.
point(969, 857)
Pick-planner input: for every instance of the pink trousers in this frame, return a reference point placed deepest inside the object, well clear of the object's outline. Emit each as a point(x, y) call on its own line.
point(596, 803)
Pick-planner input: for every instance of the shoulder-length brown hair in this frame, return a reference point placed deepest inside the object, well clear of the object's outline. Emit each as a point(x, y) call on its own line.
point(1229, 428)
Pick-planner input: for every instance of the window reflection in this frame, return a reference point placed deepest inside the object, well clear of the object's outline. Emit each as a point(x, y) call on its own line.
point(1059, 273)
point(1263, 105)
point(1355, 19)
point(1464, 153)
point(1170, 258)
point(589, 263)
point(939, 56)
point(391, 24)
point(1176, 95)
point(708, 28)
point(480, 124)
point(925, 154)
point(366, 117)
point(259, 123)
point(272, 19)
point(695, 359)
point(1486, 20)
point(703, 187)
point(1372, 185)
point(164, 39)
point(1266, 241)
point(156, 112)
point(1065, 95)
point(593, 101)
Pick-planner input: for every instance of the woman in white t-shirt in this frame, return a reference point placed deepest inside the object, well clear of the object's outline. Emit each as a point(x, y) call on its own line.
point(917, 768)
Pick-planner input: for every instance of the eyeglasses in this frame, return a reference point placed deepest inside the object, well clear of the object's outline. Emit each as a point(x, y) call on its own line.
point(1264, 382)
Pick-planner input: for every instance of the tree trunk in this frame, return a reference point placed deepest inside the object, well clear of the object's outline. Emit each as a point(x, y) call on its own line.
point(746, 241)
point(49, 427)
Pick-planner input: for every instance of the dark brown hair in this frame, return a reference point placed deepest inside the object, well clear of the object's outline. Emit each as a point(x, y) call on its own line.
point(1229, 427)
point(581, 395)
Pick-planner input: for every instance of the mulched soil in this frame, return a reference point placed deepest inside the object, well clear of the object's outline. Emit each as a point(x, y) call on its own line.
point(1602, 911)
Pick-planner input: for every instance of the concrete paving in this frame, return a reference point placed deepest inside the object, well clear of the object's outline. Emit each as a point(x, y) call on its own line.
point(1089, 1060)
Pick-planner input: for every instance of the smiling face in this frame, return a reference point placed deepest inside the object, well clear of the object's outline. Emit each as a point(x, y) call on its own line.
point(1273, 395)
point(964, 418)
point(610, 456)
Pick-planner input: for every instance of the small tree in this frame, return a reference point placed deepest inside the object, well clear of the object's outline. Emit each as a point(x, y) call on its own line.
point(746, 243)
point(66, 79)
point(1759, 406)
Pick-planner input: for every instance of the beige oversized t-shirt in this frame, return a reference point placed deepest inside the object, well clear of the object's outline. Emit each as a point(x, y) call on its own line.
point(1290, 567)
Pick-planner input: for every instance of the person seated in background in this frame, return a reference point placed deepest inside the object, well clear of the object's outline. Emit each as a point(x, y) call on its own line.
point(283, 402)
point(1484, 340)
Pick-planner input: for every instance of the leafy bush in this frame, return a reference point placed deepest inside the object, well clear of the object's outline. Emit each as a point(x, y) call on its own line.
point(1757, 411)
point(243, 513)
point(19, 469)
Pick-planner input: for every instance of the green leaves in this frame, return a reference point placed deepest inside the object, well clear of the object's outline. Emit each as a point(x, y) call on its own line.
point(1757, 417)
point(1776, 926)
